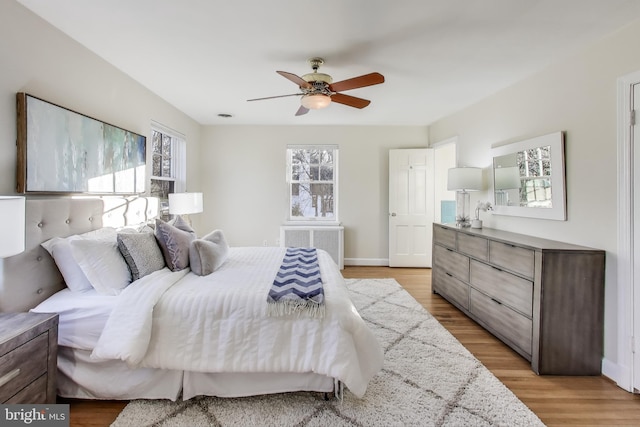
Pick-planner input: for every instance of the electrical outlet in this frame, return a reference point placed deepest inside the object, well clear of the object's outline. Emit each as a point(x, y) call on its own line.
point(277, 242)
point(264, 243)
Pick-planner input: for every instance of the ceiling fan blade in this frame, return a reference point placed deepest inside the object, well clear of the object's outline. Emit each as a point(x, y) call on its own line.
point(302, 110)
point(277, 96)
point(356, 82)
point(351, 101)
point(296, 79)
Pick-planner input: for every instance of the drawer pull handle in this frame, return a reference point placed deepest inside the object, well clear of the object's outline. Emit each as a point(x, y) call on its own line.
point(450, 250)
point(496, 301)
point(448, 274)
point(496, 268)
point(8, 377)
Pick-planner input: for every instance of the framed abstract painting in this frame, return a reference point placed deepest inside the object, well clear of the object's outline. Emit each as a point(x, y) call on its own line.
point(62, 151)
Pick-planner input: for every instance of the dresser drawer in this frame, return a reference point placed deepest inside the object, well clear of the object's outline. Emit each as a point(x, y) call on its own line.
point(23, 365)
point(477, 247)
point(451, 288)
point(505, 287)
point(444, 236)
point(513, 258)
point(502, 320)
point(451, 262)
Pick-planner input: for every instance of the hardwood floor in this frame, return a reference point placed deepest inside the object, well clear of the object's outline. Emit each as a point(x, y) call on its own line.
point(557, 400)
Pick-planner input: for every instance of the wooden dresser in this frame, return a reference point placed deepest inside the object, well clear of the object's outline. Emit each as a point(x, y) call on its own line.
point(545, 299)
point(28, 357)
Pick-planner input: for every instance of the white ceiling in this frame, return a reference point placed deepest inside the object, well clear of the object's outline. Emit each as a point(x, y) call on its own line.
point(207, 57)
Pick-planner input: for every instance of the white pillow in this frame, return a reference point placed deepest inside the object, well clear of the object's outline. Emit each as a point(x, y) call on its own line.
point(60, 250)
point(102, 264)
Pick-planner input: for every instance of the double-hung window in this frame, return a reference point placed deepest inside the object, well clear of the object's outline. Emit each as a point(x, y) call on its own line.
point(168, 149)
point(312, 177)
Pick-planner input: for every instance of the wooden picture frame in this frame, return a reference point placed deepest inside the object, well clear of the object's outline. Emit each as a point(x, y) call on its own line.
point(62, 151)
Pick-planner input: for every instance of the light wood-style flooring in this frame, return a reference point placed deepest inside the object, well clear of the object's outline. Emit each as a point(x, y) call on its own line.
point(557, 400)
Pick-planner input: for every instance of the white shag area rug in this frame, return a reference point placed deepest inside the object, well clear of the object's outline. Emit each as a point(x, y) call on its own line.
point(428, 379)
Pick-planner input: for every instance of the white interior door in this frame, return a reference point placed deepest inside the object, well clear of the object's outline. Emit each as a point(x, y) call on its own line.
point(635, 140)
point(411, 207)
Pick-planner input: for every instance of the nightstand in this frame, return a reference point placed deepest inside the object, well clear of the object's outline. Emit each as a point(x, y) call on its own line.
point(28, 357)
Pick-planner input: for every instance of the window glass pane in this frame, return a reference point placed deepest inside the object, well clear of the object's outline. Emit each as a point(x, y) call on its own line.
point(157, 142)
point(166, 146)
point(166, 167)
point(326, 173)
point(157, 165)
point(322, 196)
point(315, 173)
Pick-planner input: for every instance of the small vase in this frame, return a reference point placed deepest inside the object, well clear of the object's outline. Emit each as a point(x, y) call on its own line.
point(476, 223)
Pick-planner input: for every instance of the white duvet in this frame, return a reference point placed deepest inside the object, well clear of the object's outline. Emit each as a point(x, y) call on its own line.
point(219, 323)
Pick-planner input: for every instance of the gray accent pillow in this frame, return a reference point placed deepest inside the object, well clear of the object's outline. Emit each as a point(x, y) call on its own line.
point(174, 241)
point(207, 254)
point(141, 252)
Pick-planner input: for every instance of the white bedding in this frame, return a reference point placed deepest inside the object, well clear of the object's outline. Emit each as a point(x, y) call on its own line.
point(82, 316)
point(218, 323)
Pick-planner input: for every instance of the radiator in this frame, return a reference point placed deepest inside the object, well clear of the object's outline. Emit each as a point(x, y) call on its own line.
point(330, 238)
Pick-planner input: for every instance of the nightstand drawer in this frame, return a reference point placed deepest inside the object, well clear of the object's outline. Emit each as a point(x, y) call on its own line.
point(36, 392)
point(23, 365)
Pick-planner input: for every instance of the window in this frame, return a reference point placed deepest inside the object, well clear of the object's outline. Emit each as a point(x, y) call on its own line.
point(168, 165)
point(313, 182)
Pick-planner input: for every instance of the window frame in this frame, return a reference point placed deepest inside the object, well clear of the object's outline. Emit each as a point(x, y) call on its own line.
point(178, 164)
point(290, 183)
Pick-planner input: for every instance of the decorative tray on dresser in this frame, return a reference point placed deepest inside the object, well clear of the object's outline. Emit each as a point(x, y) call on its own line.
point(28, 357)
point(543, 298)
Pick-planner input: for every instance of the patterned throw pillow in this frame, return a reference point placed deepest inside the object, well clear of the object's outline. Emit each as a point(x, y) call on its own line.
point(207, 254)
point(174, 241)
point(141, 252)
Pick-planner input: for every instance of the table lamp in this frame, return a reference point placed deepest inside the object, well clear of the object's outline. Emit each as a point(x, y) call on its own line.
point(12, 225)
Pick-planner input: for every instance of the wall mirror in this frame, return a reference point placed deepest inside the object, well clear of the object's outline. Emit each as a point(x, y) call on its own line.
point(528, 178)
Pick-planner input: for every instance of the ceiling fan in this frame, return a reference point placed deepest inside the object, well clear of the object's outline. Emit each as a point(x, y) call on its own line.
point(318, 90)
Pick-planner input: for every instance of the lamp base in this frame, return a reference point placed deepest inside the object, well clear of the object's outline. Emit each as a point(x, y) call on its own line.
point(463, 218)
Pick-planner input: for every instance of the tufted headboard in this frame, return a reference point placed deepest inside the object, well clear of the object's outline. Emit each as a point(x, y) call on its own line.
point(32, 276)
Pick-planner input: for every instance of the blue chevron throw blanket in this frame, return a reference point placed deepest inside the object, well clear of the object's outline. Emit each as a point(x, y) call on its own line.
point(297, 287)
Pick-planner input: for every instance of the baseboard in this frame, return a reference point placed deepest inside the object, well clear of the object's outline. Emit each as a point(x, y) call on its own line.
point(377, 262)
point(617, 373)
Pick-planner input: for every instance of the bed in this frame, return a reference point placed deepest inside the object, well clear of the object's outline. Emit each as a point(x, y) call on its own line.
point(177, 334)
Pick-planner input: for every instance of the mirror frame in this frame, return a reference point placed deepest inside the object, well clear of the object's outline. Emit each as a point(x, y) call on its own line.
point(558, 211)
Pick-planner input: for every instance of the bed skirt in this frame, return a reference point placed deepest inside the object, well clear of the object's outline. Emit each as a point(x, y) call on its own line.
point(81, 377)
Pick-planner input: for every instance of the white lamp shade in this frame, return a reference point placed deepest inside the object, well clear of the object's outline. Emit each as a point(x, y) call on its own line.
point(507, 178)
point(12, 225)
point(315, 102)
point(468, 179)
point(185, 203)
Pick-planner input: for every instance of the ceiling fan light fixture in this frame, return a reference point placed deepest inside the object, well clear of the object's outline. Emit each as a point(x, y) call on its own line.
point(315, 102)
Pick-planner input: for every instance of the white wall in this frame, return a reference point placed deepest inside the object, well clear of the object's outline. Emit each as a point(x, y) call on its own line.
point(577, 95)
point(42, 61)
point(244, 170)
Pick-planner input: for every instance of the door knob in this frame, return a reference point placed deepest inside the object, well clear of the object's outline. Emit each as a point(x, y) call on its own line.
point(393, 214)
